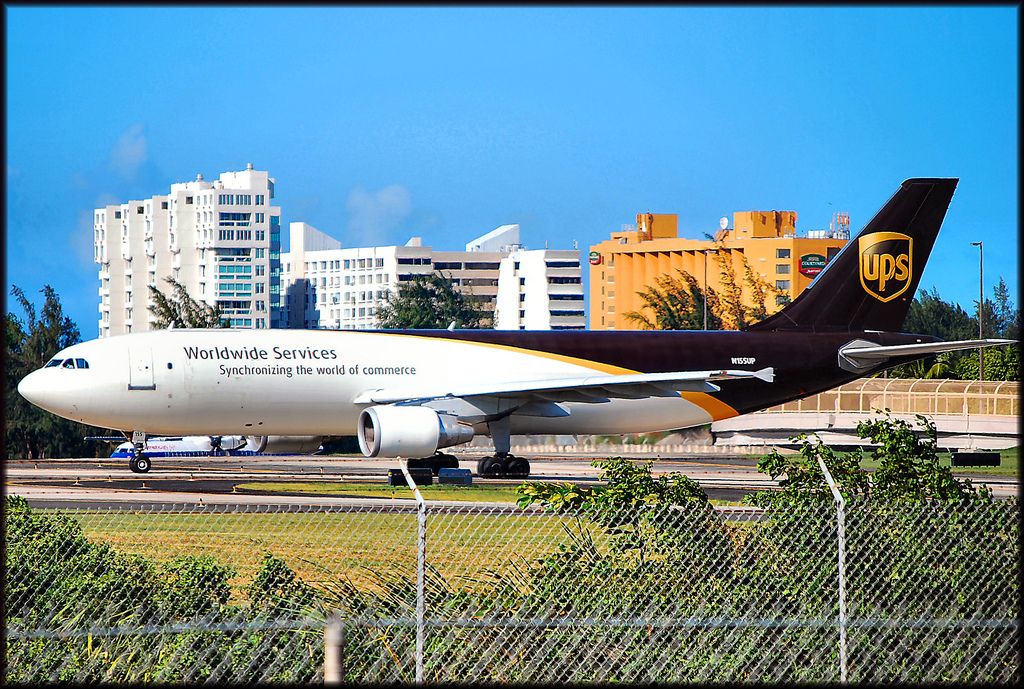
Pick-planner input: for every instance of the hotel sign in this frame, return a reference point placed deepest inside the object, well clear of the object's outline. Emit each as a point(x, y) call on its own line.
point(812, 264)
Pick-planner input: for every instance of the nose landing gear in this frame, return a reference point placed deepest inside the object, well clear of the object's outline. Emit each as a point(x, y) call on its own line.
point(139, 463)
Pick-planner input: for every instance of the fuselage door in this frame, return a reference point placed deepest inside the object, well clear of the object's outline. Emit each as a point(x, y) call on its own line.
point(140, 371)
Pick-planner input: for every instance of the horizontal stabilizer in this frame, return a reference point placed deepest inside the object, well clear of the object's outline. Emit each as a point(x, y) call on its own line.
point(861, 355)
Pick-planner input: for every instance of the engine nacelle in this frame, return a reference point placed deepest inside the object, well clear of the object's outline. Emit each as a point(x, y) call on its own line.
point(410, 432)
point(284, 444)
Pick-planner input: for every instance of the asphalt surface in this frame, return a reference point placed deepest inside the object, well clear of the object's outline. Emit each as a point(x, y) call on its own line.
point(187, 480)
point(107, 483)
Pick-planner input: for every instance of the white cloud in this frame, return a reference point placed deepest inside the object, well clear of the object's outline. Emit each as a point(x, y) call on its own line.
point(106, 199)
point(373, 215)
point(129, 153)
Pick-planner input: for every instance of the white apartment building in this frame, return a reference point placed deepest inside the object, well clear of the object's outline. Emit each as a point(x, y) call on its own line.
point(221, 240)
point(540, 290)
point(327, 286)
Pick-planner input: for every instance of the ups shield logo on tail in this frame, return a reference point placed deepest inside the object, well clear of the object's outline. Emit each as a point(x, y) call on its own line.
point(886, 264)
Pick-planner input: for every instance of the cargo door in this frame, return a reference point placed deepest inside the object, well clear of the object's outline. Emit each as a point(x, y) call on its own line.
point(140, 371)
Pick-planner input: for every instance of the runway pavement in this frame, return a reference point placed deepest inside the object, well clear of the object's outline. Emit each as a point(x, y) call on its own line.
point(213, 481)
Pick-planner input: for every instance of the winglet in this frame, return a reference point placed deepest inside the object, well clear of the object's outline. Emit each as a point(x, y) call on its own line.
point(766, 374)
point(451, 326)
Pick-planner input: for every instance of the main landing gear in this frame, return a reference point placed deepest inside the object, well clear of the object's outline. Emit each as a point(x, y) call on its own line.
point(436, 463)
point(503, 465)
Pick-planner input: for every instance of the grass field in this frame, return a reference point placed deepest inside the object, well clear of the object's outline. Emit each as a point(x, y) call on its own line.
point(322, 546)
point(1008, 466)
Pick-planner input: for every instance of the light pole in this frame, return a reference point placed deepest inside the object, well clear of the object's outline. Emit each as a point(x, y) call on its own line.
point(981, 306)
point(706, 252)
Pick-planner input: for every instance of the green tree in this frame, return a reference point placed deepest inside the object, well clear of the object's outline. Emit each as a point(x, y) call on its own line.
point(179, 310)
point(908, 463)
point(929, 314)
point(676, 303)
point(428, 301)
point(31, 432)
point(1004, 315)
point(627, 486)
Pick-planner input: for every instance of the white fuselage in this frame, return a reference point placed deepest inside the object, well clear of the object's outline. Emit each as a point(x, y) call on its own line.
point(304, 382)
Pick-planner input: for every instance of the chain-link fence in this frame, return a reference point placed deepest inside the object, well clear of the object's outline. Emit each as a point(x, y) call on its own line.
point(478, 594)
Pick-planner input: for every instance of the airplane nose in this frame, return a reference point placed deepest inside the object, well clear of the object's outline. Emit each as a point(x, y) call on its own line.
point(33, 388)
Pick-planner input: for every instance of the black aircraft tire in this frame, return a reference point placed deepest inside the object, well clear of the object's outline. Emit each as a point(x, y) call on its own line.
point(490, 467)
point(518, 468)
point(142, 464)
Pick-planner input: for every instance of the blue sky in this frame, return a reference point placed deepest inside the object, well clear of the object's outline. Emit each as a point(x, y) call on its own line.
point(379, 124)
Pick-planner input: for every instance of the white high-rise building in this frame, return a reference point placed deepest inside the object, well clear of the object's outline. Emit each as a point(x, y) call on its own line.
point(540, 289)
point(221, 240)
point(327, 286)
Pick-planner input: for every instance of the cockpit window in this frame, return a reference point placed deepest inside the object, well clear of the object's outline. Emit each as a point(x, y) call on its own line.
point(67, 363)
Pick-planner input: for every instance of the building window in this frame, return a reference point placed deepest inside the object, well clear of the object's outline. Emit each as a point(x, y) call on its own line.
point(117, 214)
point(782, 268)
point(782, 284)
point(782, 253)
point(188, 200)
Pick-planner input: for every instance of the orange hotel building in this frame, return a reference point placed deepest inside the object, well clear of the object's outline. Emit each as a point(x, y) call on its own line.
point(630, 260)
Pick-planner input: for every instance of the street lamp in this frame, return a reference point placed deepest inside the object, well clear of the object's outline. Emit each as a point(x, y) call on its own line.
point(981, 306)
point(706, 252)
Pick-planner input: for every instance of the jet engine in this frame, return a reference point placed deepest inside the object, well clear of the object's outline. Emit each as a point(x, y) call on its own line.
point(410, 432)
point(284, 444)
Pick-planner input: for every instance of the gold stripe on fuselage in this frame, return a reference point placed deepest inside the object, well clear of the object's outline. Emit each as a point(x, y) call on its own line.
point(716, 408)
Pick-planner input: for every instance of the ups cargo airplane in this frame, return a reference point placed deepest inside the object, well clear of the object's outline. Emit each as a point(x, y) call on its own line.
point(410, 393)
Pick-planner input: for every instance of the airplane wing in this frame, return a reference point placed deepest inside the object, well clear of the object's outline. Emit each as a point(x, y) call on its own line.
point(594, 389)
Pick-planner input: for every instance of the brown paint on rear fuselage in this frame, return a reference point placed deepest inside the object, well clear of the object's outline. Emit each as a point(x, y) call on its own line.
point(805, 363)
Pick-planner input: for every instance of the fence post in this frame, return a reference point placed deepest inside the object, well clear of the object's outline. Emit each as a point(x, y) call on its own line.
point(334, 650)
point(421, 567)
point(841, 537)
